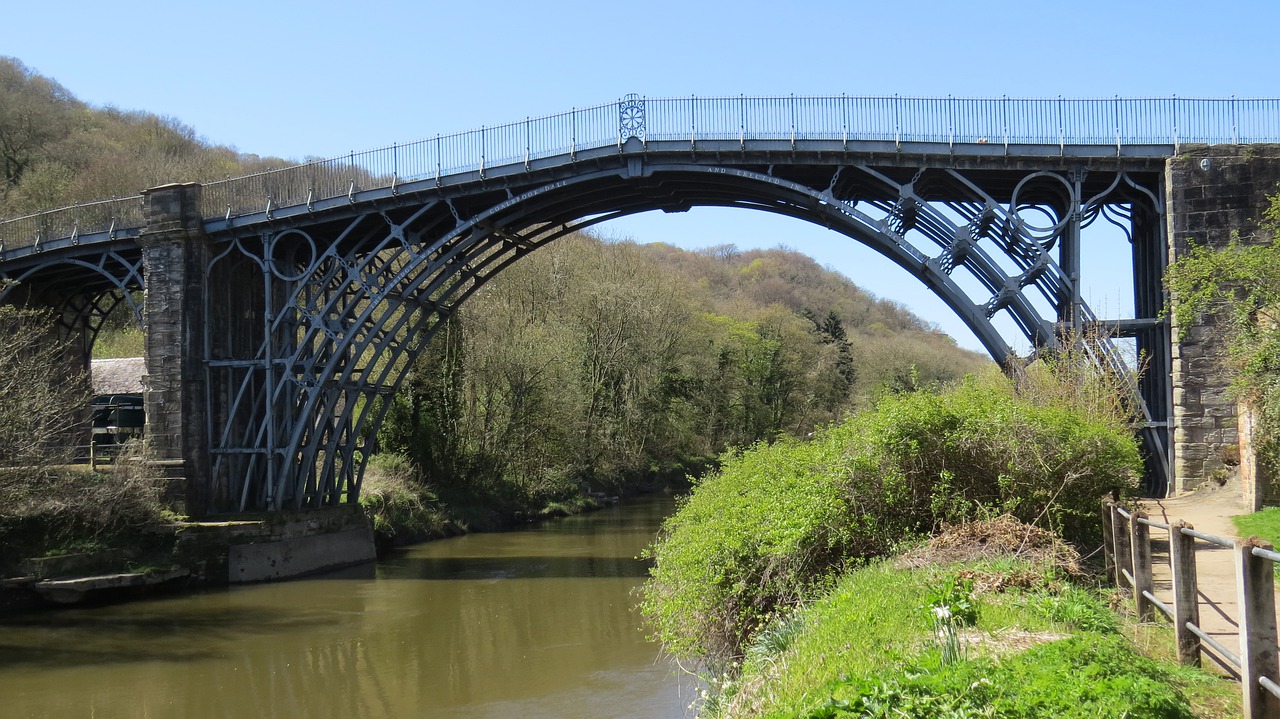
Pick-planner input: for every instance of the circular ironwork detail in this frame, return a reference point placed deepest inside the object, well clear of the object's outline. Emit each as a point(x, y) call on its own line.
point(631, 116)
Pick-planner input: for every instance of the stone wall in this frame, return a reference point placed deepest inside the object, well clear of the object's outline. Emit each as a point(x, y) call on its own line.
point(1212, 193)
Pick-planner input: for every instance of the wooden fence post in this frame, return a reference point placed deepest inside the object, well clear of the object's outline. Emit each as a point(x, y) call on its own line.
point(1124, 556)
point(1255, 585)
point(1140, 545)
point(1186, 592)
point(1108, 539)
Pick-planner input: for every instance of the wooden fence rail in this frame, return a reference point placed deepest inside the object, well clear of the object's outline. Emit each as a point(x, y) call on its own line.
point(1127, 557)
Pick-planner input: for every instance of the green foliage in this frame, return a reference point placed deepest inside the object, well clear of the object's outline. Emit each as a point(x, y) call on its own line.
point(1264, 524)
point(951, 607)
point(400, 508)
point(1239, 287)
point(596, 365)
point(126, 342)
point(1074, 607)
point(777, 520)
point(863, 648)
point(1086, 676)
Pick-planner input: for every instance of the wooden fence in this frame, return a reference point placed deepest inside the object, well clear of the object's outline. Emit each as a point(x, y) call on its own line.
point(1127, 551)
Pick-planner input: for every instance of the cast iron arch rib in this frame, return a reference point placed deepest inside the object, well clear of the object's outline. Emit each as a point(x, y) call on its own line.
point(307, 401)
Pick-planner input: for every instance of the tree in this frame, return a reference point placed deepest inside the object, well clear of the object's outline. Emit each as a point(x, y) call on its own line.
point(33, 115)
point(43, 400)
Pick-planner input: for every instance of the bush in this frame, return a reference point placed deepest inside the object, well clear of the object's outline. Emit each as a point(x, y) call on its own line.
point(401, 509)
point(44, 394)
point(776, 520)
point(57, 510)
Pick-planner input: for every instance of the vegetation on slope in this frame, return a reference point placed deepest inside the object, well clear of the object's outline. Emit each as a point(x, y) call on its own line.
point(773, 578)
point(875, 646)
point(778, 521)
point(602, 366)
point(55, 150)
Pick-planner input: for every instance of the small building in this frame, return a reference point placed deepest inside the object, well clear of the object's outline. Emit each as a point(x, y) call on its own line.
point(117, 376)
point(116, 407)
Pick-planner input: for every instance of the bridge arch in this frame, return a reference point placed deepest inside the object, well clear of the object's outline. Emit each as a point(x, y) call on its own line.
point(80, 291)
point(346, 307)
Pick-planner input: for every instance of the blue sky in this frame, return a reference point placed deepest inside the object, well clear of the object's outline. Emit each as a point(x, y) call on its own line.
point(300, 80)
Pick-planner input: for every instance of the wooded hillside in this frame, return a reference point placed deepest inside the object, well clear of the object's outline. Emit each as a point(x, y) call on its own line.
point(56, 150)
point(589, 363)
point(597, 364)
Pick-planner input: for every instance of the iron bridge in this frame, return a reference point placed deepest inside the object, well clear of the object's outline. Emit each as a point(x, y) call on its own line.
point(282, 306)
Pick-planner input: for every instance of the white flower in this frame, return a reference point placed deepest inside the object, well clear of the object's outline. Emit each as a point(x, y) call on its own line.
point(942, 612)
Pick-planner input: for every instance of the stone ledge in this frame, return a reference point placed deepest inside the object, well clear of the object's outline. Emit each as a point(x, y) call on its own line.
point(71, 591)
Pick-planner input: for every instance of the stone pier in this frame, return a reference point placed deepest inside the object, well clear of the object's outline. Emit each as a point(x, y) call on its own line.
point(174, 258)
point(1212, 195)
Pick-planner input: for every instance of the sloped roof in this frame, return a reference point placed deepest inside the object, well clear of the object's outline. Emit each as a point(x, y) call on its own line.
point(117, 376)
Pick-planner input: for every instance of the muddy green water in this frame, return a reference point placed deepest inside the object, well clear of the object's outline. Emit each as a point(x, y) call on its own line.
point(534, 623)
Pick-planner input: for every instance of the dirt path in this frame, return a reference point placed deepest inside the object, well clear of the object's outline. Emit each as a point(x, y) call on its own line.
point(1207, 510)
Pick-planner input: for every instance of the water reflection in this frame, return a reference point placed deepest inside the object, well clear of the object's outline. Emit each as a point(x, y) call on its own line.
point(530, 624)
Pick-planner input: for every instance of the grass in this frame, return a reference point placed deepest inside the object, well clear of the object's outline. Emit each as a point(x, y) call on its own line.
point(127, 342)
point(401, 509)
point(1264, 524)
point(56, 511)
point(867, 648)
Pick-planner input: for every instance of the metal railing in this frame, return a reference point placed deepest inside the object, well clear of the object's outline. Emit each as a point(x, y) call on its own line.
point(1127, 556)
point(1115, 122)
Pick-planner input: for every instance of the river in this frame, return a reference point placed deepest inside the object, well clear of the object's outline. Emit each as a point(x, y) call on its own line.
point(532, 623)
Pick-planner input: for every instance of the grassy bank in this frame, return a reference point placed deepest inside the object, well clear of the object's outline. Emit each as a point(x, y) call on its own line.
point(1034, 645)
point(1264, 523)
point(784, 575)
point(61, 510)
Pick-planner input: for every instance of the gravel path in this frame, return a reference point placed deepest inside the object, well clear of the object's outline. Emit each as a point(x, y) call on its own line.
point(1207, 510)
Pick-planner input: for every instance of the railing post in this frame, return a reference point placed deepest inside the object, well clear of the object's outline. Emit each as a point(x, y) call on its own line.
point(1140, 544)
point(1124, 557)
point(1186, 602)
point(1235, 134)
point(1108, 539)
point(1255, 585)
point(1176, 149)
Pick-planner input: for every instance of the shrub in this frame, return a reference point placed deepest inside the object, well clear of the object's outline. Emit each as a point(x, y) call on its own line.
point(776, 520)
point(400, 508)
point(44, 395)
point(59, 509)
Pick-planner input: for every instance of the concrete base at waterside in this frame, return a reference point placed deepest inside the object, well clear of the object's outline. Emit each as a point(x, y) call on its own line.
point(279, 546)
point(297, 556)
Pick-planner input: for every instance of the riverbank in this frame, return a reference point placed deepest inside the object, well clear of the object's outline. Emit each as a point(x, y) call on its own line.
point(187, 556)
point(404, 509)
point(998, 633)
